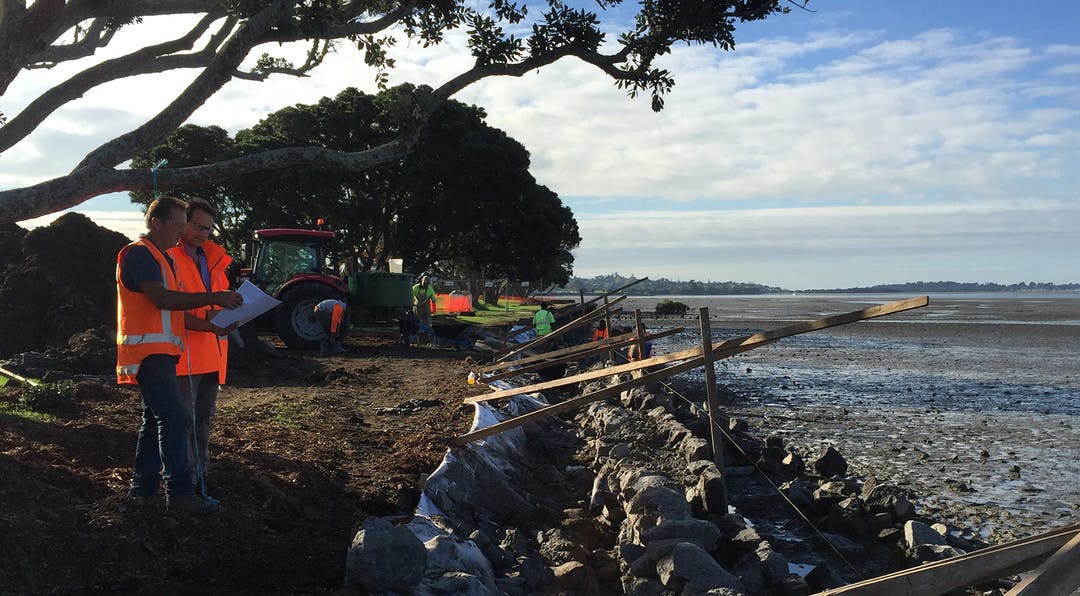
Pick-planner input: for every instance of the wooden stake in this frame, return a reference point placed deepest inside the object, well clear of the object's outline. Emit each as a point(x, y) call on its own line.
point(715, 417)
point(19, 378)
point(720, 350)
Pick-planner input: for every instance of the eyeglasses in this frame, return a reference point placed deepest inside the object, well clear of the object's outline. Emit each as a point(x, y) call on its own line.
point(201, 229)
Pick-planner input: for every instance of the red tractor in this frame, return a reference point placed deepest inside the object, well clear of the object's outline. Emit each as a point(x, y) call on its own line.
point(293, 266)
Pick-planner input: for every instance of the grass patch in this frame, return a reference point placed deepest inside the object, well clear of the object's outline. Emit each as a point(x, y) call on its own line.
point(290, 415)
point(10, 413)
point(493, 314)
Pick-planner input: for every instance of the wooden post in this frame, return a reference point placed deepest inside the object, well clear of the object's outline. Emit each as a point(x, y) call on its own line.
point(639, 330)
point(607, 321)
point(715, 417)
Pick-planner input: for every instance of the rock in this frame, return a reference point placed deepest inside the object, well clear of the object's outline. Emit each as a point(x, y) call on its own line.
point(940, 528)
point(515, 543)
point(916, 533)
point(694, 448)
point(761, 569)
point(793, 585)
point(876, 522)
point(926, 553)
point(771, 461)
point(846, 546)
point(711, 487)
point(799, 492)
point(574, 577)
point(689, 568)
point(697, 531)
point(793, 464)
point(846, 518)
point(774, 442)
point(556, 548)
point(619, 451)
point(737, 425)
point(1014, 472)
point(827, 495)
point(830, 463)
point(385, 557)
point(822, 577)
point(637, 586)
point(538, 576)
point(890, 499)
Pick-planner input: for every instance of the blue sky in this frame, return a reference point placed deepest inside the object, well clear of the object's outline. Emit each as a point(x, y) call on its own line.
point(865, 142)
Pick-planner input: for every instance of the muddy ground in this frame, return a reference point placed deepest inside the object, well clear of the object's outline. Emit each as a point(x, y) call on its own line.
point(972, 402)
point(302, 455)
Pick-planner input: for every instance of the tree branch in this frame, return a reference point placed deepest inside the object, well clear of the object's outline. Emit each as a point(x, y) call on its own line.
point(218, 72)
point(143, 61)
point(70, 190)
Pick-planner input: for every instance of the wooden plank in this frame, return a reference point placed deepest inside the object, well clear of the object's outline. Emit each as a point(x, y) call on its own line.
point(966, 570)
point(720, 350)
point(550, 355)
point(18, 377)
point(582, 320)
point(581, 400)
point(1058, 576)
point(597, 346)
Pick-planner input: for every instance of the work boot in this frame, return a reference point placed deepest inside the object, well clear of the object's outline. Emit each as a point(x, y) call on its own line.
point(190, 504)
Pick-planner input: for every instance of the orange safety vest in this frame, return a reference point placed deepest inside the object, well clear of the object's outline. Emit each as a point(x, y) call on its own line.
point(203, 351)
point(143, 329)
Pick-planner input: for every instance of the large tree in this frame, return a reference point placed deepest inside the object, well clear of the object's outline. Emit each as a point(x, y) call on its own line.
point(220, 46)
point(462, 204)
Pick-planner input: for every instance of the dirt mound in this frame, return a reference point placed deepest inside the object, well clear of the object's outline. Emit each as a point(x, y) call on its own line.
point(55, 282)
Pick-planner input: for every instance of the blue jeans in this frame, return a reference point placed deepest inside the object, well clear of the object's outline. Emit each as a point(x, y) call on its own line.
point(165, 433)
point(205, 398)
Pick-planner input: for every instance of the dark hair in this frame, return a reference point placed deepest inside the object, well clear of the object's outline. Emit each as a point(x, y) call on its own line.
point(161, 207)
point(197, 204)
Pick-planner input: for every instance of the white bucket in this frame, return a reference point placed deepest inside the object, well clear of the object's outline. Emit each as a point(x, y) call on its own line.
point(396, 265)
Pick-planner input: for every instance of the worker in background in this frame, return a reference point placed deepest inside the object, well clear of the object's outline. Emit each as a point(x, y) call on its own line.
point(200, 266)
point(331, 315)
point(424, 303)
point(543, 320)
point(601, 331)
point(632, 353)
point(149, 339)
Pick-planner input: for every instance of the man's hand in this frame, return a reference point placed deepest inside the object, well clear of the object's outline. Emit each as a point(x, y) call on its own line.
point(228, 299)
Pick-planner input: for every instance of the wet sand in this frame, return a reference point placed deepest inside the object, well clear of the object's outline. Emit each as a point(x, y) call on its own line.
point(972, 402)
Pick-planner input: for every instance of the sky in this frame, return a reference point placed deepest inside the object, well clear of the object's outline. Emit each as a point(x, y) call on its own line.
point(858, 143)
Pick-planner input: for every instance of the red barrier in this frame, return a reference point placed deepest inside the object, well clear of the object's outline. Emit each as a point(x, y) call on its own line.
point(448, 303)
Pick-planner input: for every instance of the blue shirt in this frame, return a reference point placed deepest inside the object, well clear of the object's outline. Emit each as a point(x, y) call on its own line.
point(139, 266)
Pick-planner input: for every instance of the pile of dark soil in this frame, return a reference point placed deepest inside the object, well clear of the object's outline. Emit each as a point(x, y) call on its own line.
point(55, 282)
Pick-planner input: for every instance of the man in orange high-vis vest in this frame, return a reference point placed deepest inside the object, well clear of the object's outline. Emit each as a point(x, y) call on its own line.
point(149, 339)
point(200, 267)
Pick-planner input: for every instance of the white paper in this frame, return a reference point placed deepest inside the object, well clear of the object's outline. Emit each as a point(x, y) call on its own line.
point(256, 302)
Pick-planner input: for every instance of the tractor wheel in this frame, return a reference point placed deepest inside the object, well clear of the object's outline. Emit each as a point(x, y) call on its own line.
point(295, 317)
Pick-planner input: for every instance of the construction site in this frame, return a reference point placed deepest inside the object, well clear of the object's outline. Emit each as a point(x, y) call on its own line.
point(475, 461)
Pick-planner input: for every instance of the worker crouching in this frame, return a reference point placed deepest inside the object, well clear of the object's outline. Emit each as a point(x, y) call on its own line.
point(331, 315)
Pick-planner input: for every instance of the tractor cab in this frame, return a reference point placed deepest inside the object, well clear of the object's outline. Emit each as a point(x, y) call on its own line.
point(292, 265)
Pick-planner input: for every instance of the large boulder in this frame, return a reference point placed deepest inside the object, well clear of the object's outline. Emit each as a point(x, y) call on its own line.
point(385, 557)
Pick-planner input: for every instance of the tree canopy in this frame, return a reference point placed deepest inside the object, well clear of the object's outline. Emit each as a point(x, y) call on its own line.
point(461, 204)
point(503, 39)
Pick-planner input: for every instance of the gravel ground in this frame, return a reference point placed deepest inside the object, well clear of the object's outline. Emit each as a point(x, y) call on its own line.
point(973, 402)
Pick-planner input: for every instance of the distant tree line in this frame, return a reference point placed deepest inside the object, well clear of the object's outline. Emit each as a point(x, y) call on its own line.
point(952, 286)
point(663, 286)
